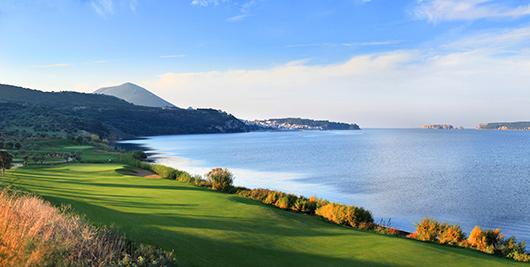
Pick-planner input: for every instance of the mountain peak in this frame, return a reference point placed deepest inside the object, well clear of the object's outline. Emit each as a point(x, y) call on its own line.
point(135, 94)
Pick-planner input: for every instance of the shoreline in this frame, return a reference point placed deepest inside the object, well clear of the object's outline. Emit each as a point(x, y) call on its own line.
point(359, 199)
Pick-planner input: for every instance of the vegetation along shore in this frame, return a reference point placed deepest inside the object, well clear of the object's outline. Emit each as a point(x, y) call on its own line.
point(187, 219)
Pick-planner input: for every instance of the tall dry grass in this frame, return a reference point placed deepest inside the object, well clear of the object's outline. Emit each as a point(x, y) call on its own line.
point(35, 233)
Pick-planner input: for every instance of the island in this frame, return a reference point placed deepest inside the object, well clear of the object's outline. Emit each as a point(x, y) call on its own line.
point(442, 127)
point(510, 126)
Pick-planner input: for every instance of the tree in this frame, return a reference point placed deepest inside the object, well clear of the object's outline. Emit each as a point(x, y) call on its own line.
point(25, 158)
point(18, 146)
point(42, 157)
point(5, 161)
point(76, 156)
point(79, 139)
point(35, 157)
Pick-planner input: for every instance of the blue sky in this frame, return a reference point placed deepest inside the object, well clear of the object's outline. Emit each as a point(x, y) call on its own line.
point(379, 63)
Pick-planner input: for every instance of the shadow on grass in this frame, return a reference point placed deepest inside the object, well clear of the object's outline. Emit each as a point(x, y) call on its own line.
point(239, 242)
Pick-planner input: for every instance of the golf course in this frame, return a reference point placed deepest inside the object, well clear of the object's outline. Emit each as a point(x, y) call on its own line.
point(209, 228)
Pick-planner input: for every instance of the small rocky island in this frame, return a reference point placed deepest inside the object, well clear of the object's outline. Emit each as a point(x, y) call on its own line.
point(442, 127)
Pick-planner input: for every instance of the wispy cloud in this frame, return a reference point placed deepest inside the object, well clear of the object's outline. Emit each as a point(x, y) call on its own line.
point(497, 41)
point(100, 61)
point(171, 56)
point(207, 2)
point(102, 7)
point(133, 4)
point(52, 65)
point(243, 7)
point(237, 18)
point(347, 44)
point(447, 10)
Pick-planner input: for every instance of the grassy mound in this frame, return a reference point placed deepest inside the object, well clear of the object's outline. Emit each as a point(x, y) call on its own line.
point(207, 228)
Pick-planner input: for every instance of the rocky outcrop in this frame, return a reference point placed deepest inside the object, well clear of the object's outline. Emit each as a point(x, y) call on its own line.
point(441, 126)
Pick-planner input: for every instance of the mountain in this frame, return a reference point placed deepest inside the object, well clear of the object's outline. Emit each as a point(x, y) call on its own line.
point(135, 94)
point(519, 126)
point(28, 111)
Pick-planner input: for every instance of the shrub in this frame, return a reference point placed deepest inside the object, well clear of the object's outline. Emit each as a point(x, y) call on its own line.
point(346, 215)
point(450, 234)
point(487, 240)
point(301, 204)
point(164, 171)
point(184, 177)
point(271, 198)
point(413, 235)
point(510, 246)
point(427, 230)
point(220, 179)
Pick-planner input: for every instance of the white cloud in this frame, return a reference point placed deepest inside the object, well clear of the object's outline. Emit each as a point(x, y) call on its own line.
point(53, 65)
point(406, 88)
point(446, 10)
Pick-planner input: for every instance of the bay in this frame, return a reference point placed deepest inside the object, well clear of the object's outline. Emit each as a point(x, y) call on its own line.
point(467, 177)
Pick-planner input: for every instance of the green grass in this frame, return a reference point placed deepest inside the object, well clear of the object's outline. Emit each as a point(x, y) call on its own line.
point(207, 228)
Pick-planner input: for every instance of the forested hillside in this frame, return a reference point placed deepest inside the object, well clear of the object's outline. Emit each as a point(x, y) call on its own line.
point(70, 112)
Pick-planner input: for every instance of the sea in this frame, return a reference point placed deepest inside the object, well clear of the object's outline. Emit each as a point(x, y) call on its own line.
point(465, 177)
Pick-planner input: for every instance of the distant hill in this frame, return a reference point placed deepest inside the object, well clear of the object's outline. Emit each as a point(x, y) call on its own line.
point(516, 126)
point(135, 94)
point(32, 111)
point(302, 124)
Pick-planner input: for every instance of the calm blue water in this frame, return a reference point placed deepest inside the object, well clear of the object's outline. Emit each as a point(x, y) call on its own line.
point(467, 177)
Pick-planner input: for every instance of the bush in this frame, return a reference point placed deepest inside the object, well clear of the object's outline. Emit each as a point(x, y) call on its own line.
point(487, 240)
point(346, 215)
point(450, 234)
point(164, 171)
point(427, 230)
point(221, 179)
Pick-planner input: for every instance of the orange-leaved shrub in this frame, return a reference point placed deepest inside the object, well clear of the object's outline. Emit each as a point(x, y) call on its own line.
point(427, 229)
point(346, 215)
point(431, 230)
point(485, 240)
point(450, 234)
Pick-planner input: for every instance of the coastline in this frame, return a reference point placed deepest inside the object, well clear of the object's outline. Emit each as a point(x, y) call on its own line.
point(385, 198)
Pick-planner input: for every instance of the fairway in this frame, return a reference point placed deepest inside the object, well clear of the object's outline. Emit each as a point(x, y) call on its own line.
point(207, 228)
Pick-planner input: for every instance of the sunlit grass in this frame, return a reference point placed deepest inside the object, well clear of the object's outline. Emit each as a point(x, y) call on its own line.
point(208, 228)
